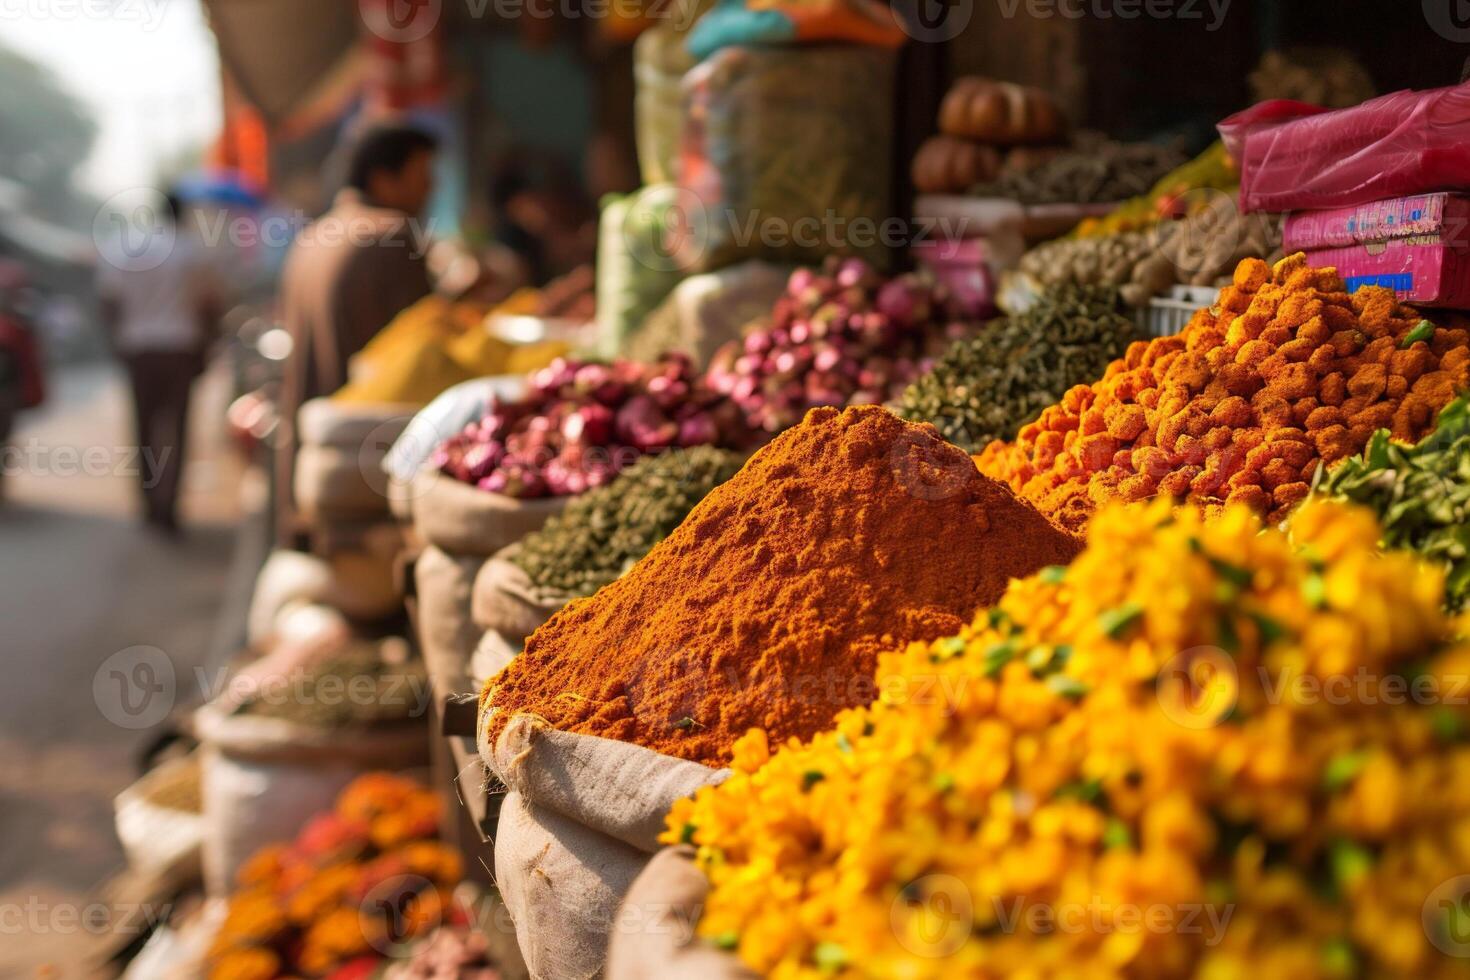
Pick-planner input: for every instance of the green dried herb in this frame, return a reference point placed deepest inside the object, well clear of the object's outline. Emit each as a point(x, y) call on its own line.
point(606, 531)
point(990, 385)
point(1421, 494)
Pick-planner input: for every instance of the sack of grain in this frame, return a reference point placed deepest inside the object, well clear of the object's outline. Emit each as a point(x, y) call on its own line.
point(582, 820)
point(506, 600)
point(331, 484)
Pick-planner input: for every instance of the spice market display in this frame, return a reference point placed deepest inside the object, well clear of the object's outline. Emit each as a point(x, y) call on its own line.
point(1074, 586)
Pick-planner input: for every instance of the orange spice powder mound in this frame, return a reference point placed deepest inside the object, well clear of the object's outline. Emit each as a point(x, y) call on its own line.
point(1287, 371)
point(854, 532)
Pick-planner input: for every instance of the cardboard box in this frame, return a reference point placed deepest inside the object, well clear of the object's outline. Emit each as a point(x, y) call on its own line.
point(1429, 219)
point(1431, 275)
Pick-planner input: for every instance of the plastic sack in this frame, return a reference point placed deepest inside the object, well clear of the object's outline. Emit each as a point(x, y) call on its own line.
point(634, 270)
point(784, 155)
point(660, 59)
point(740, 22)
point(445, 416)
point(707, 311)
point(1296, 156)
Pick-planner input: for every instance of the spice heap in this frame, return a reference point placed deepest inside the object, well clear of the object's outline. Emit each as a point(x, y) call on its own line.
point(1420, 493)
point(583, 423)
point(321, 902)
point(768, 605)
point(1127, 768)
point(1285, 372)
point(1200, 249)
point(1091, 171)
point(604, 532)
point(431, 347)
point(840, 336)
point(988, 386)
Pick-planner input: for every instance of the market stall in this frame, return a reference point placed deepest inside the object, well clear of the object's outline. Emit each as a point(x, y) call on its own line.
point(760, 605)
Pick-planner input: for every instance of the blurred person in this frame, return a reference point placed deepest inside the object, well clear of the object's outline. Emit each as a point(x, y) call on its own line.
point(160, 321)
point(349, 274)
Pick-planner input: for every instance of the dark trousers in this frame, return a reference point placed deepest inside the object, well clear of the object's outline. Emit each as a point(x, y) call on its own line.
point(161, 384)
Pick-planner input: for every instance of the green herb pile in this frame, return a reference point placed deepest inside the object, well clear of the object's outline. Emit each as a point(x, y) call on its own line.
point(1421, 494)
point(606, 530)
point(358, 686)
point(989, 386)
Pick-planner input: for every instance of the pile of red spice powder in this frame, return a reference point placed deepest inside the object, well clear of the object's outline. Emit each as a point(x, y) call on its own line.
point(852, 533)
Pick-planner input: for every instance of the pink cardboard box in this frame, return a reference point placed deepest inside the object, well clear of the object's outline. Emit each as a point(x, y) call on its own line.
point(1431, 274)
point(1437, 219)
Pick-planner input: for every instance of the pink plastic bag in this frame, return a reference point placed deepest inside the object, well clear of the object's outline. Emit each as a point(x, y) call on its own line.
point(1294, 156)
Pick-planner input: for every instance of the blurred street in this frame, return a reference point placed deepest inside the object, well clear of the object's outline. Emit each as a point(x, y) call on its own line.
point(82, 579)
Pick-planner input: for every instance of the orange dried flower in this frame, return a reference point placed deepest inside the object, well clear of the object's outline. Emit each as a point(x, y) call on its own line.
point(1285, 372)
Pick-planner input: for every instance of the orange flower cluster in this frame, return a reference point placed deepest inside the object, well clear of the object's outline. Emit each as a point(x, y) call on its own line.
point(356, 882)
point(1285, 372)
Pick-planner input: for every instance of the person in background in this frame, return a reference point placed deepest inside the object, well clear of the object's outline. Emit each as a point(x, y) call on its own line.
point(349, 274)
point(160, 320)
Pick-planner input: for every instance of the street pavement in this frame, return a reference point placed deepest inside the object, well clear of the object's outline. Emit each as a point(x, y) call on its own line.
point(86, 591)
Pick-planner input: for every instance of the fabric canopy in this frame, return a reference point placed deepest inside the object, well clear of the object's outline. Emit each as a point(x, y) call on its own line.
point(279, 51)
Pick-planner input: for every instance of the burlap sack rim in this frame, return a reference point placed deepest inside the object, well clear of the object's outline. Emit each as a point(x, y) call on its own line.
point(395, 745)
point(452, 515)
point(517, 744)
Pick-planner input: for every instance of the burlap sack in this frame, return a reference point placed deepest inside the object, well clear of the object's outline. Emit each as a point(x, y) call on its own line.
point(447, 634)
point(352, 426)
point(491, 656)
point(465, 520)
point(263, 778)
point(507, 601)
point(655, 935)
point(336, 484)
point(358, 586)
point(588, 812)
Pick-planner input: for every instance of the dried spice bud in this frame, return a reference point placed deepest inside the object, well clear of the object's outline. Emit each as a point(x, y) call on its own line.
point(604, 532)
point(988, 387)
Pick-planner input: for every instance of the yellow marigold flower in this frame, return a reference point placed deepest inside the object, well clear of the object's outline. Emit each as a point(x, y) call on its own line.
point(1182, 756)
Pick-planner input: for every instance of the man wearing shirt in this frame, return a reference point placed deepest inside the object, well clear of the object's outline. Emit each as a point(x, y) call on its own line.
point(160, 315)
point(349, 274)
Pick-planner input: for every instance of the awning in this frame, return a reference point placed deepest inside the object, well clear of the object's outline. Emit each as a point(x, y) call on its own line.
point(278, 52)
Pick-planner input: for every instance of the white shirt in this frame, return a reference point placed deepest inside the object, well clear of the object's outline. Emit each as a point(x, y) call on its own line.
point(159, 306)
